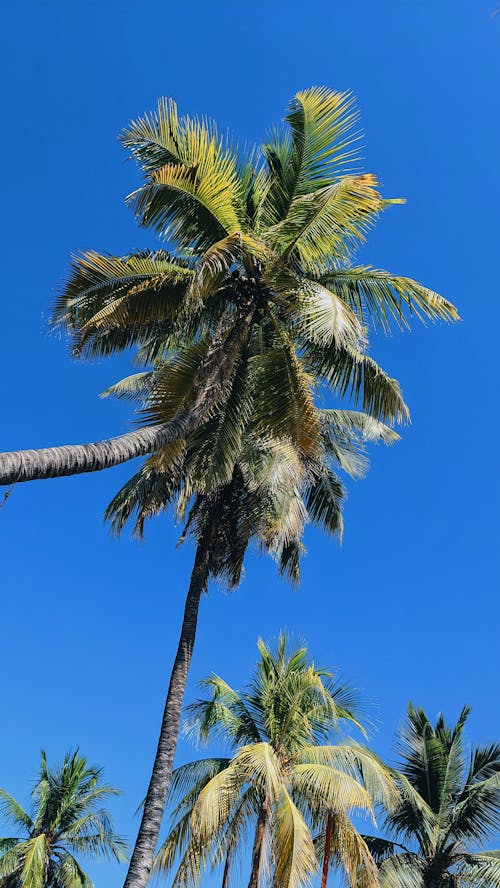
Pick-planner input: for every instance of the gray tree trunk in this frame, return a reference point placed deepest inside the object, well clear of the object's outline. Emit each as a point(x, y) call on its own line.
point(258, 845)
point(75, 459)
point(142, 857)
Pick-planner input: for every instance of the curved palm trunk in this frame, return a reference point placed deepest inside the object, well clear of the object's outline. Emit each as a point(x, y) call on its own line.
point(328, 847)
point(258, 845)
point(76, 459)
point(159, 785)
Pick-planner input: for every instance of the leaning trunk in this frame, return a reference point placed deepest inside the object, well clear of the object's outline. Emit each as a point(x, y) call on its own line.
point(76, 459)
point(328, 848)
point(258, 845)
point(142, 858)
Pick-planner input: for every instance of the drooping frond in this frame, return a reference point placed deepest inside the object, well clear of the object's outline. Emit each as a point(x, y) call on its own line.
point(141, 287)
point(405, 870)
point(324, 499)
point(354, 374)
point(383, 298)
point(345, 434)
point(151, 490)
point(293, 845)
point(285, 408)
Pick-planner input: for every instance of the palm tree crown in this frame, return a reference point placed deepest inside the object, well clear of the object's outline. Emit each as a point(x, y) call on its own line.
point(66, 820)
point(262, 282)
point(280, 779)
point(449, 801)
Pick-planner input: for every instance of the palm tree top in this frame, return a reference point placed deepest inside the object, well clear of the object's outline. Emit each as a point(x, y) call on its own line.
point(66, 820)
point(283, 774)
point(262, 247)
point(449, 800)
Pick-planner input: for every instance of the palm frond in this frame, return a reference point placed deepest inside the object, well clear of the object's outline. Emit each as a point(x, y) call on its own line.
point(385, 299)
point(294, 849)
point(354, 374)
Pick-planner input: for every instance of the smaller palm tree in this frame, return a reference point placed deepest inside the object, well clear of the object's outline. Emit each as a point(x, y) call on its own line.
point(449, 800)
point(65, 820)
point(280, 779)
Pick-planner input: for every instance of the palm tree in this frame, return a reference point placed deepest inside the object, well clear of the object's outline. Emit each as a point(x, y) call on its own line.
point(66, 819)
point(263, 250)
point(266, 495)
point(450, 800)
point(280, 775)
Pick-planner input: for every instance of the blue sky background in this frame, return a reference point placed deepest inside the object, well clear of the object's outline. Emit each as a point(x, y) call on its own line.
point(407, 607)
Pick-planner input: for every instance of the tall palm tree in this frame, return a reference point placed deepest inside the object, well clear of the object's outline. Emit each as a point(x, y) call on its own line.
point(281, 772)
point(264, 247)
point(449, 801)
point(66, 821)
point(242, 486)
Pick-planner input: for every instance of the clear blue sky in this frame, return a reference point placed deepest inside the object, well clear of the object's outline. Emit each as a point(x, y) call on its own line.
point(407, 607)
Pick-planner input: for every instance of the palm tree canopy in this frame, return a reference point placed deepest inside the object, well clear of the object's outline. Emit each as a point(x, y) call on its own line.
point(260, 262)
point(449, 801)
point(67, 820)
point(282, 770)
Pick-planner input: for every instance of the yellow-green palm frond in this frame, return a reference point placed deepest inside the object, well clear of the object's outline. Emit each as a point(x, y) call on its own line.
point(224, 713)
point(105, 292)
point(322, 123)
point(295, 860)
point(383, 298)
point(324, 786)
point(327, 225)
point(361, 764)
point(174, 382)
point(194, 196)
point(133, 388)
point(405, 870)
point(258, 764)
point(316, 148)
point(215, 803)
point(323, 318)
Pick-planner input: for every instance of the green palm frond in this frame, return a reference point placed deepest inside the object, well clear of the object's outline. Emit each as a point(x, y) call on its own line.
point(481, 869)
point(286, 409)
point(134, 388)
point(404, 870)
point(354, 374)
point(324, 500)
point(13, 811)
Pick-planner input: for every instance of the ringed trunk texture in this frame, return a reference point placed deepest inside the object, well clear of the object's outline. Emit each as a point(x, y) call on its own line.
point(142, 857)
point(328, 847)
point(76, 459)
point(258, 845)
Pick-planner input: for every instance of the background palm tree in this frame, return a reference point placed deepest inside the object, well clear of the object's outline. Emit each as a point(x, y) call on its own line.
point(449, 801)
point(66, 821)
point(263, 246)
point(280, 775)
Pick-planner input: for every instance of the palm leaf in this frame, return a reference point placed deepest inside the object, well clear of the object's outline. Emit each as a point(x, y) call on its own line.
point(294, 849)
point(383, 298)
